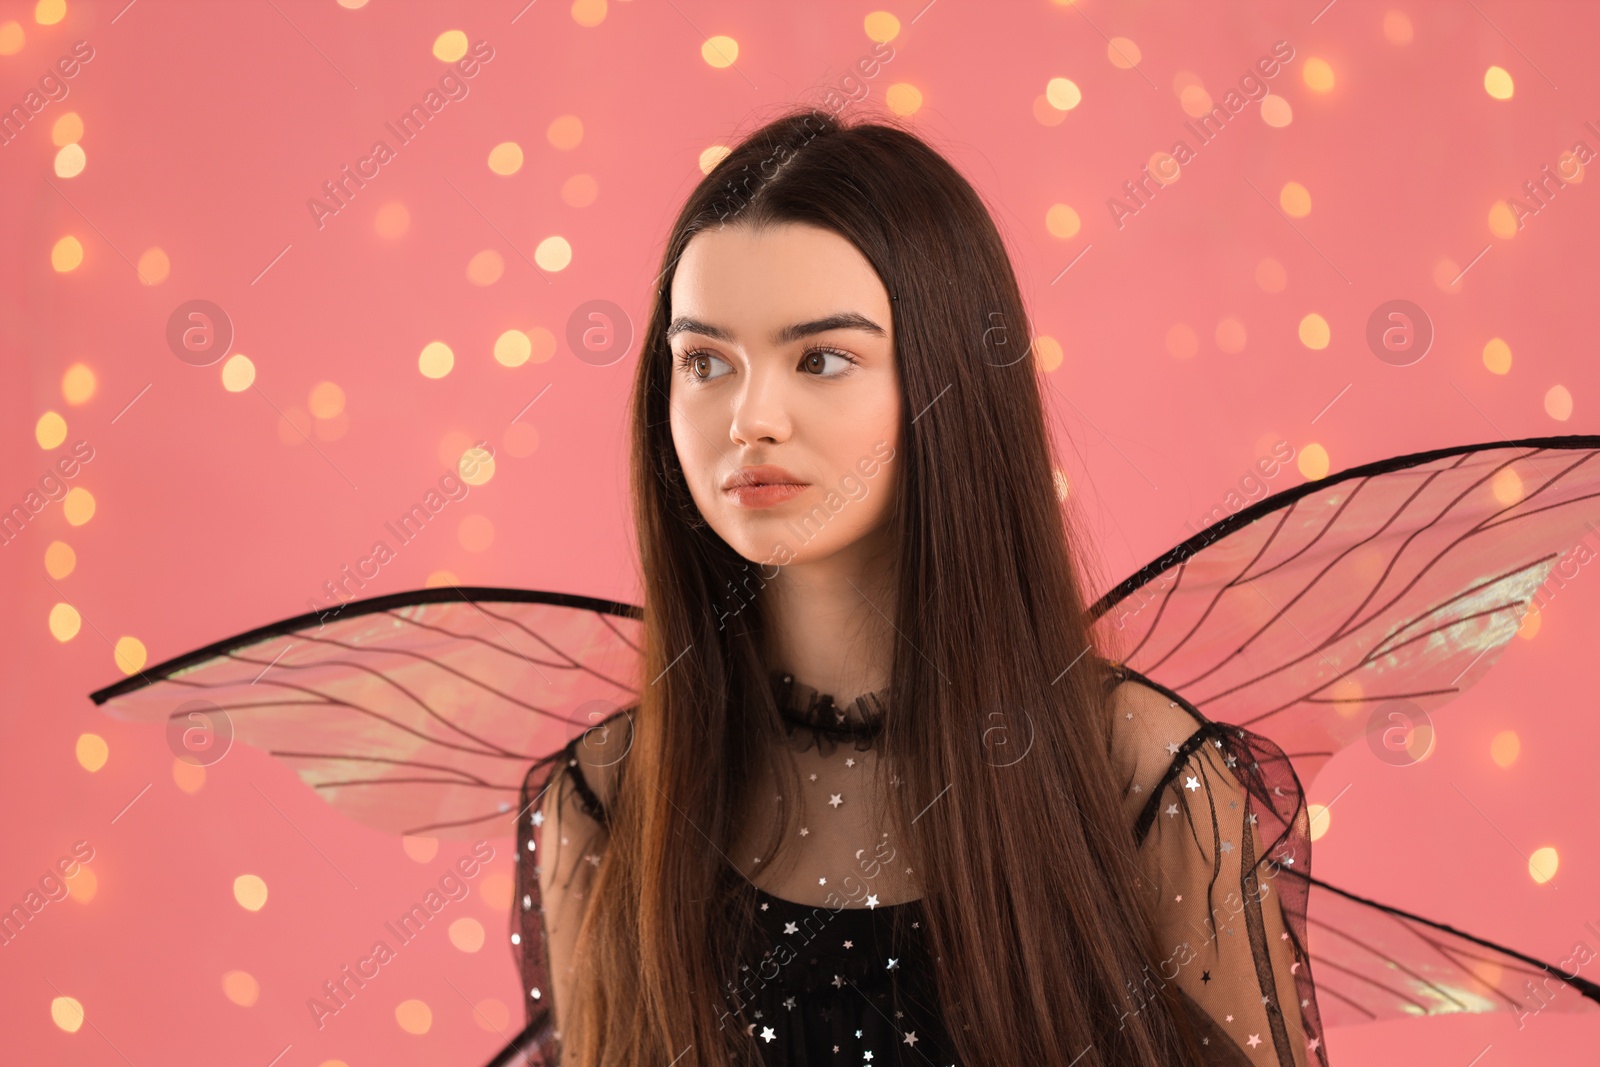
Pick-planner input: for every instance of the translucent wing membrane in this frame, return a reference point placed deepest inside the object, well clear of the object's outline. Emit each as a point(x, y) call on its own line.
point(1289, 631)
point(1402, 580)
point(417, 713)
point(1259, 648)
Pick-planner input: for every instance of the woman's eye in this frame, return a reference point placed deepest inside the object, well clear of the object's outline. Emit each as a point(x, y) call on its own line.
point(816, 362)
point(700, 366)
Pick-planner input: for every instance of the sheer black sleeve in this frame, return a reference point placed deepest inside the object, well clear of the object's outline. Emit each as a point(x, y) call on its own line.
point(1217, 815)
point(560, 841)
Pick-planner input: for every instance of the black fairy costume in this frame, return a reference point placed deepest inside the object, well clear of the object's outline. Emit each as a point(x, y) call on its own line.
point(1243, 660)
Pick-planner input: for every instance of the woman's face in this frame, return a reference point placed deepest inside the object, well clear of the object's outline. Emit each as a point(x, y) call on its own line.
point(783, 357)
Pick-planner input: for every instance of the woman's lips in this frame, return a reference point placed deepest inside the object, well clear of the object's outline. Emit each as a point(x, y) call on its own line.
point(764, 496)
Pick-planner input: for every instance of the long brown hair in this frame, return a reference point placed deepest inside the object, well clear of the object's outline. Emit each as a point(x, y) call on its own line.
point(1026, 865)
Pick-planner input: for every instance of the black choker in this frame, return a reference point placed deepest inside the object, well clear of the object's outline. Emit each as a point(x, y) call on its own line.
point(804, 709)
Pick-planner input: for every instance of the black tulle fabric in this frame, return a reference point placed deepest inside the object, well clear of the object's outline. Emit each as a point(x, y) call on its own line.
point(1288, 627)
point(851, 985)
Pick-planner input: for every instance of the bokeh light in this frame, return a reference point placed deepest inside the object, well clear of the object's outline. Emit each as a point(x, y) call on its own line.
point(250, 891)
point(238, 373)
point(77, 506)
point(1497, 83)
point(1271, 276)
point(505, 158)
point(1317, 73)
point(92, 752)
point(1497, 356)
point(414, 1016)
point(720, 52)
point(1558, 403)
point(1314, 331)
point(67, 254)
point(1542, 865)
point(1295, 199)
point(588, 13)
point(1321, 819)
point(450, 46)
point(1276, 111)
point(1313, 462)
point(512, 348)
point(154, 267)
point(189, 777)
point(580, 190)
point(1123, 53)
point(475, 533)
point(70, 161)
point(68, 129)
point(65, 622)
point(326, 400)
point(467, 934)
point(565, 132)
point(881, 26)
point(1397, 27)
point(1063, 94)
point(476, 466)
point(1507, 487)
point(50, 430)
point(436, 359)
point(486, 267)
point(553, 254)
point(1062, 221)
point(83, 885)
point(130, 655)
point(66, 1012)
point(59, 559)
point(421, 849)
point(521, 439)
point(903, 98)
point(1230, 335)
point(1505, 747)
point(1047, 352)
point(241, 987)
point(1502, 220)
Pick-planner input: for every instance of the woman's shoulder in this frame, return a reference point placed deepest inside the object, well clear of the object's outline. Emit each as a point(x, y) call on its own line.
point(593, 763)
point(1152, 731)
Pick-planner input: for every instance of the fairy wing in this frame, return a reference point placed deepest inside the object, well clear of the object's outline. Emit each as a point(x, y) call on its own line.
point(413, 713)
point(1297, 626)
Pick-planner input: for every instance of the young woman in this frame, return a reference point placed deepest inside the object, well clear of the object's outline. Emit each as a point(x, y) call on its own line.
point(865, 781)
point(882, 800)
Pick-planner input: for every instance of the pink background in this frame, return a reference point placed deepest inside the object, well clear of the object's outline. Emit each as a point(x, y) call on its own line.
point(208, 126)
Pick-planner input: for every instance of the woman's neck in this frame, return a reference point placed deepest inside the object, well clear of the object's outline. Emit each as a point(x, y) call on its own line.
point(829, 623)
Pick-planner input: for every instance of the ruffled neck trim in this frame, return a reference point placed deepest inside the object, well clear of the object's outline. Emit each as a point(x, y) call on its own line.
point(805, 710)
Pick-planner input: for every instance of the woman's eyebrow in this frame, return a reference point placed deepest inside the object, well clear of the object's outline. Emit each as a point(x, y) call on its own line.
point(845, 320)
